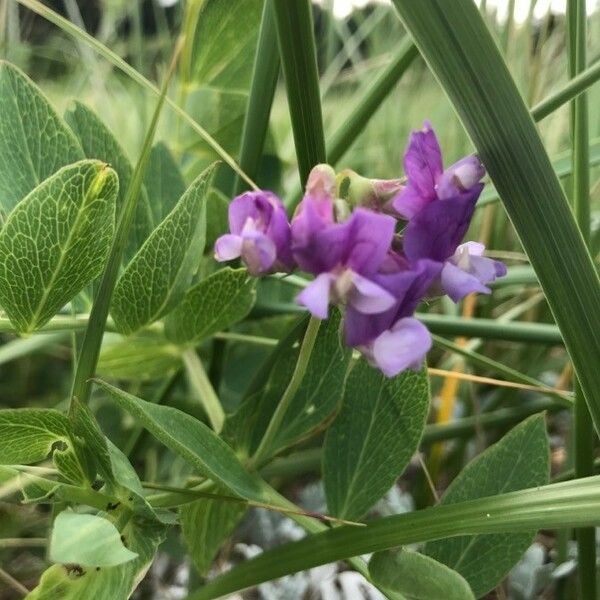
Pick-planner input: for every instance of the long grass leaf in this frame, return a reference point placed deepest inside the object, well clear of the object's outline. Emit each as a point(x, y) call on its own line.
point(462, 54)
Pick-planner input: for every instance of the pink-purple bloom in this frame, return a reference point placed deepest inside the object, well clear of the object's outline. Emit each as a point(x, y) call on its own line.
point(377, 269)
point(259, 234)
point(438, 204)
point(344, 257)
point(468, 271)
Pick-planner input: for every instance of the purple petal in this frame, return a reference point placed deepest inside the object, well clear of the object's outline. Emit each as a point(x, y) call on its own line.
point(408, 287)
point(438, 229)
point(404, 346)
point(258, 253)
point(249, 206)
point(458, 283)
point(409, 202)
point(369, 298)
point(228, 247)
point(460, 177)
point(423, 161)
point(315, 296)
point(369, 240)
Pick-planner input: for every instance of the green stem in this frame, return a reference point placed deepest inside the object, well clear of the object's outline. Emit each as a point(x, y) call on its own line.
point(494, 329)
point(262, 452)
point(204, 390)
point(583, 433)
point(299, 62)
point(367, 104)
point(264, 81)
point(90, 349)
point(577, 85)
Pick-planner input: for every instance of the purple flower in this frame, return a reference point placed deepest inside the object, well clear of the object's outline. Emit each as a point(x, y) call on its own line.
point(343, 256)
point(469, 271)
point(438, 204)
point(401, 347)
point(260, 234)
point(407, 284)
point(436, 231)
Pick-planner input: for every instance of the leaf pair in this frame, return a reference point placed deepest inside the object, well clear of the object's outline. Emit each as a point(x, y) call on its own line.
point(61, 216)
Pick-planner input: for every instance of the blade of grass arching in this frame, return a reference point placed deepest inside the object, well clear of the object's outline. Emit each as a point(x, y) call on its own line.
point(262, 90)
point(556, 505)
point(299, 62)
point(92, 340)
point(75, 32)
point(455, 42)
point(576, 86)
point(583, 432)
point(489, 363)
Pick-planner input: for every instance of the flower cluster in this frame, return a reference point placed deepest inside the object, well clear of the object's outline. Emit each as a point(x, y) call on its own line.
point(380, 251)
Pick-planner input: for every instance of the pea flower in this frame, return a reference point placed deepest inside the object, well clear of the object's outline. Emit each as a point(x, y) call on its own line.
point(469, 271)
point(438, 204)
point(408, 284)
point(343, 256)
point(259, 234)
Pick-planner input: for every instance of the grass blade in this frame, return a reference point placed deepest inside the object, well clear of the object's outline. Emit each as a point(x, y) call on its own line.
point(583, 431)
point(556, 505)
point(90, 349)
point(367, 104)
point(299, 62)
point(264, 81)
point(462, 54)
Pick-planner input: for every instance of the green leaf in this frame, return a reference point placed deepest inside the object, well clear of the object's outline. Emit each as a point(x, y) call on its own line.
point(31, 435)
point(519, 460)
point(56, 241)
point(417, 577)
point(192, 440)
point(224, 42)
point(158, 275)
point(217, 302)
point(462, 54)
point(205, 524)
point(163, 181)
point(34, 141)
point(373, 438)
point(98, 142)
point(87, 541)
point(139, 358)
point(217, 68)
point(90, 443)
point(72, 582)
point(314, 404)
